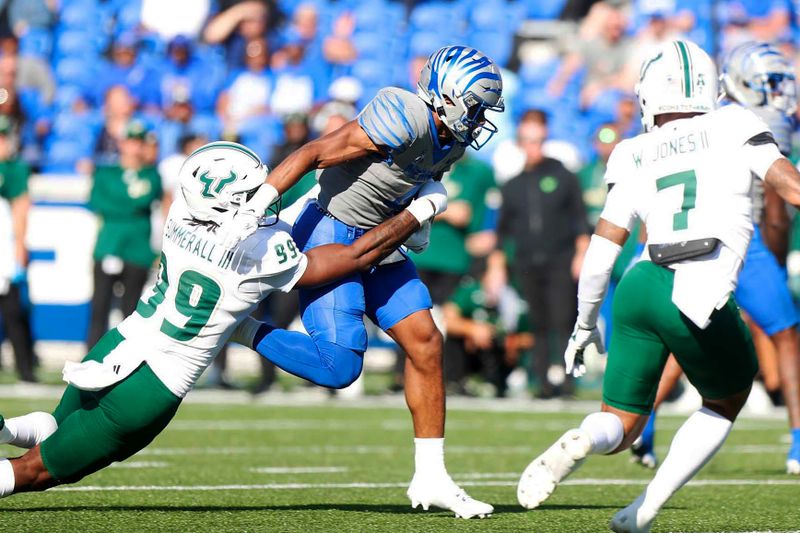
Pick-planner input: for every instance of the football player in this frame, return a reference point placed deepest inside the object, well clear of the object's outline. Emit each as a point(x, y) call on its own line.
point(758, 76)
point(131, 383)
point(688, 179)
point(370, 169)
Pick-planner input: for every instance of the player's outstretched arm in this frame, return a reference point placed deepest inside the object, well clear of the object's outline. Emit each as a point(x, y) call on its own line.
point(333, 261)
point(785, 178)
point(345, 144)
point(604, 248)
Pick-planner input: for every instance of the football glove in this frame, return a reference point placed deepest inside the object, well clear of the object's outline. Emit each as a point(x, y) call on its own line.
point(245, 221)
point(582, 339)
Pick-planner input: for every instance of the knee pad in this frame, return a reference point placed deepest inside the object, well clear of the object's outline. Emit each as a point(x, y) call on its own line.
point(345, 365)
point(606, 431)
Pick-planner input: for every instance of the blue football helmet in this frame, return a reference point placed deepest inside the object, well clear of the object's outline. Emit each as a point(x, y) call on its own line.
point(756, 74)
point(461, 84)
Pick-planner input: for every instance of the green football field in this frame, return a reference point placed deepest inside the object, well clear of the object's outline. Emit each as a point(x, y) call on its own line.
point(259, 467)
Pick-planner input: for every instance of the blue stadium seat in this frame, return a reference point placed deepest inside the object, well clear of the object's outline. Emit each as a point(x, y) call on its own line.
point(372, 45)
point(76, 71)
point(488, 16)
point(537, 74)
point(373, 71)
point(495, 44)
point(62, 156)
point(544, 9)
point(438, 16)
point(76, 43)
point(79, 15)
point(36, 42)
point(425, 43)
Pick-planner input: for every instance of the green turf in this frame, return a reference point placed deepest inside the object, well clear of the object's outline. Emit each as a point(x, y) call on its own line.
point(211, 445)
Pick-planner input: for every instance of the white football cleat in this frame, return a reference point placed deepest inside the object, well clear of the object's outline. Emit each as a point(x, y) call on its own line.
point(544, 473)
point(633, 519)
point(442, 491)
point(793, 467)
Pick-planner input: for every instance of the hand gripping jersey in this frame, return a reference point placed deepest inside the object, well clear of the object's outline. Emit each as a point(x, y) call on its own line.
point(692, 179)
point(202, 293)
point(367, 191)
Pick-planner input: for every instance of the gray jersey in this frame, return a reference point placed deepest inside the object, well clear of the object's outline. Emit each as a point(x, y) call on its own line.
point(367, 191)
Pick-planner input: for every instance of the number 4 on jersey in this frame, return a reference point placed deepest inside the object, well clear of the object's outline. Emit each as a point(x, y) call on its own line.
point(688, 179)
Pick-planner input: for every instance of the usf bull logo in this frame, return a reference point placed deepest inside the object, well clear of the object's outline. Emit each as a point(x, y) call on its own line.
point(212, 186)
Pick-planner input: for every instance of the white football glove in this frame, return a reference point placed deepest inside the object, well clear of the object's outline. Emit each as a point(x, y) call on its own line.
point(419, 240)
point(245, 221)
point(431, 200)
point(581, 340)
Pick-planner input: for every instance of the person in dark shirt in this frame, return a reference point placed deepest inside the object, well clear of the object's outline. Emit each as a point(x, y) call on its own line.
point(542, 237)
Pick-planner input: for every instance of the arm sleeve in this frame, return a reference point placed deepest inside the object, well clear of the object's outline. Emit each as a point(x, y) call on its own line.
point(389, 120)
point(593, 283)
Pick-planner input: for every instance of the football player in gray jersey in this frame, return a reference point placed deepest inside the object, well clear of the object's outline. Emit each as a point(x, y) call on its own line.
point(370, 169)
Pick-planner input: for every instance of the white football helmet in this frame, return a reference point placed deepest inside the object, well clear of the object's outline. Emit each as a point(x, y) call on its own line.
point(218, 178)
point(460, 84)
point(678, 78)
point(756, 74)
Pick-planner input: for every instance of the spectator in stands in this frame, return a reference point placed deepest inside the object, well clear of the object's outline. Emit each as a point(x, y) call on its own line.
point(485, 331)
point(248, 90)
point(29, 73)
point(118, 111)
point(14, 207)
point(239, 23)
point(175, 17)
point(183, 71)
point(178, 121)
point(26, 15)
point(338, 47)
point(122, 196)
point(542, 237)
point(592, 176)
point(297, 82)
point(606, 57)
point(295, 134)
point(124, 68)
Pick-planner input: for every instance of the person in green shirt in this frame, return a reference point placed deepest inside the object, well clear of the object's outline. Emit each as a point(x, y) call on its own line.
point(446, 260)
point(485, 332)
point(122, 197)
point(14, 175)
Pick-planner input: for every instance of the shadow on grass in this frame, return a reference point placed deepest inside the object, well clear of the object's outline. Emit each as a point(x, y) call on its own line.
point(348, 507)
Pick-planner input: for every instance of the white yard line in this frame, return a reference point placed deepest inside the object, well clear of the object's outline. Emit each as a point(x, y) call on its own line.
point(140, 464)
point(388, 450)
point(298, 470)
point(357, 485)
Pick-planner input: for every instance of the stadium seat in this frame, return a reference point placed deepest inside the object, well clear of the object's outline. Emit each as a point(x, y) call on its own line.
point(372, 45)
point(495, 44)
point(75, 43)
point(544, 9)
point(76, 71)
point(62, 156)
point(36, 42)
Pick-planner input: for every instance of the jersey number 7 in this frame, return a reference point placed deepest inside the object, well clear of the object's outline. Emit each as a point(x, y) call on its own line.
point(688, 179)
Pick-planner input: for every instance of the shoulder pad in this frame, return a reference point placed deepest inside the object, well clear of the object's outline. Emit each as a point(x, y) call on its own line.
point(270, 250)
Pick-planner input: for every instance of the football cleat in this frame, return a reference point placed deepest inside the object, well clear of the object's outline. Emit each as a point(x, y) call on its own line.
point(633, 519)
point(643, 454)
point(544, 473)
point(444, 493)
point(793, 460)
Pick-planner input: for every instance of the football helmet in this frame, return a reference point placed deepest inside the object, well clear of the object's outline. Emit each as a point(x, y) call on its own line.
point(461, 84)
point(218, 178)
point(678, 78)
point(756, 74)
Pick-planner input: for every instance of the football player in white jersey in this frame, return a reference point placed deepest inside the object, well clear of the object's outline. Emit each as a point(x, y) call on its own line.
point(131, 383)
point(688, 178)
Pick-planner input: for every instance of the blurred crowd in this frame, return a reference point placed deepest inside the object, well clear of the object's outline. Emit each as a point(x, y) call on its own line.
point(122, 90)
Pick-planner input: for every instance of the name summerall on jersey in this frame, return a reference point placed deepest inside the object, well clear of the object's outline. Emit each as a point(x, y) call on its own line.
point(684, 144)
point(193, 243)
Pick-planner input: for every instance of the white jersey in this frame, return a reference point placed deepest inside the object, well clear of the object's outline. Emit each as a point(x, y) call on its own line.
point(692, 179)
point(202, 293)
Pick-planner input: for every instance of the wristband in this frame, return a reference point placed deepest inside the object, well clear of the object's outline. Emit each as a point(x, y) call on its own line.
point(422, 209)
